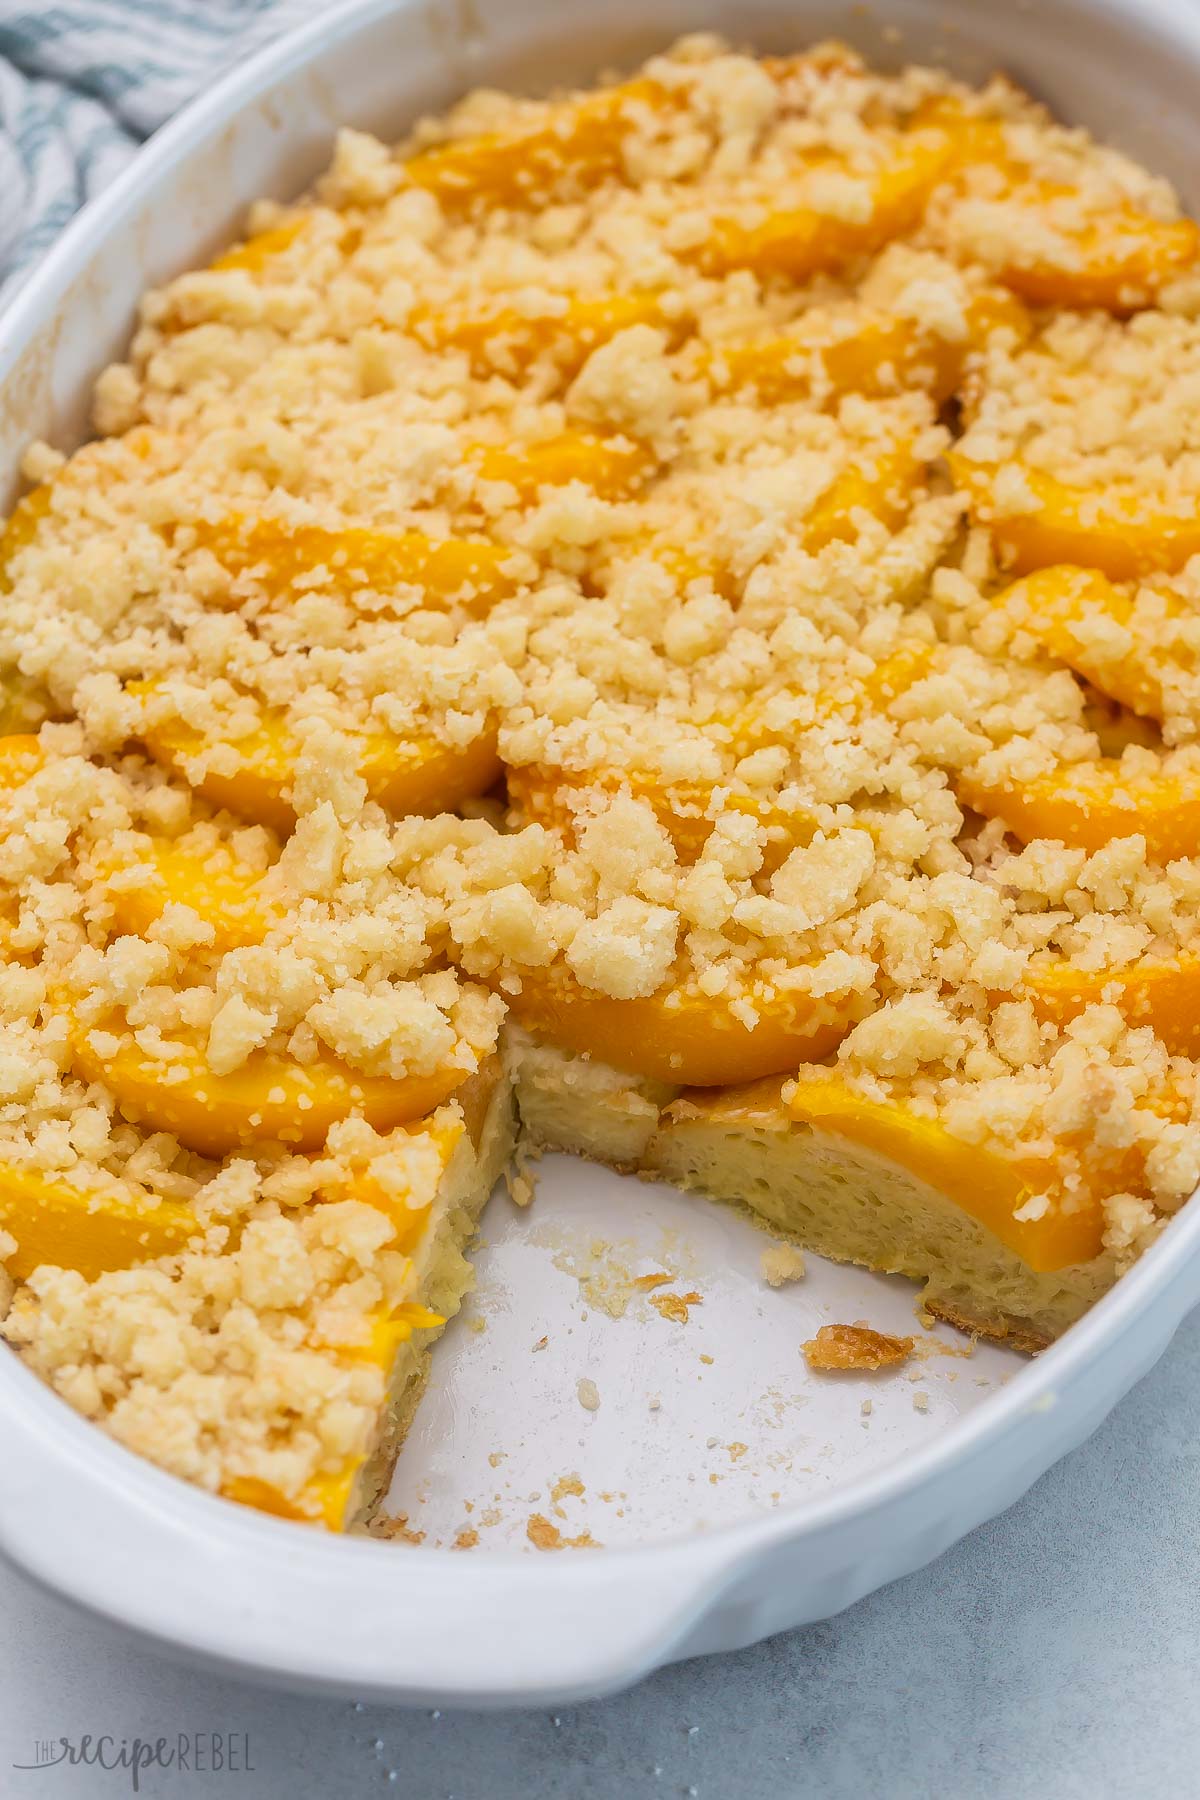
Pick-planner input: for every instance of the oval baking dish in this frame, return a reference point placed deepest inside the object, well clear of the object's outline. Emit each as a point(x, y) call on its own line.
point(416, 1623)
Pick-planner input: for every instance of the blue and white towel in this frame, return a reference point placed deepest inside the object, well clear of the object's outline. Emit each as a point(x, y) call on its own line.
point(82, 82)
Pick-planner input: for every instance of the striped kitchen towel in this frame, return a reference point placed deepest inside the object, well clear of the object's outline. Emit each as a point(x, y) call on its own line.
point(82, 82)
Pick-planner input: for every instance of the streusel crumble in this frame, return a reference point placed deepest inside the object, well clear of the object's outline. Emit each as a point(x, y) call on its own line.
point(675, 605)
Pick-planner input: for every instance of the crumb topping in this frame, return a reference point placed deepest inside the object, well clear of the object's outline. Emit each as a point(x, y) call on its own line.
point(706, 566)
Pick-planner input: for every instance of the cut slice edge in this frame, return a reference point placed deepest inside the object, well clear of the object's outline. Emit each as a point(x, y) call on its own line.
point(472, 1161)
point(830, 1194)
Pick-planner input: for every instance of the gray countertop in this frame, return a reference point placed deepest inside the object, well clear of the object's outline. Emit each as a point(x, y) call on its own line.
point(1054, 1654)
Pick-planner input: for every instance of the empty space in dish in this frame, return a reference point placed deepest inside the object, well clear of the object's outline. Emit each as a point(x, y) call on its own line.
point(699, 1423)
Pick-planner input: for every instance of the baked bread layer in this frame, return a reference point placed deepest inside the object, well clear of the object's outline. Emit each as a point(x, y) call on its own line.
point(831, 1196)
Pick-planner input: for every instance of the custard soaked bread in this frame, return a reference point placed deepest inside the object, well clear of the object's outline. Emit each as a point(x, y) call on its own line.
point(672, 606)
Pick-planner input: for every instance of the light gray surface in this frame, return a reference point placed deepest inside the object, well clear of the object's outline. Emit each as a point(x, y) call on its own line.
point(1054, 1654)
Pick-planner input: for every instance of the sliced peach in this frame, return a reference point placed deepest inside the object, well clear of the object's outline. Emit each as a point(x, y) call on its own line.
point(21, 527)
point(88, 1230)
point(1113, 254)
point(690, 562)
point(682, 1036)
point(881, 487)
point(224, 895)
point(1058, 605)
point(614, 467)
point(254, 253)
point(21, 755)
point(684, 563)
point(1119, 530)
point(254, 789)
point(425, 777)
point(1119, 258)
point(568, 146)
point(405, 776)
point(877, 354)
point(1164, 994)
point(269, 1097)
point(468, 571)
point(572, 145)
point(799, 241)
point(542, 794)
point(1088, 804)
point(501, 336)
point(985, 1183)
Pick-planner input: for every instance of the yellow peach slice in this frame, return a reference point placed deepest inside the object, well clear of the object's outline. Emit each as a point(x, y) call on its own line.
point(1082, 253)
point(406, 776)
point(682, 1036)
point(1117, 258)
point(614, 467)
point(21, 527)
point(224, 895)
point(501, 336)
point(800, 240)
point(467, 571)
point(542, 794)
point(985, 1183)
point(568, 146)
point(883, 486)
point(880, 487)
point(21, 755)
point(254, 253)
point(877, 354)
point(88, 1230)
point(1164, 994)
point(425, 777)
point(573, 145)
point(270, 1097)
point(686, 563)
point(253, 789)
point(1121, 531)
point(1088, 804)
point(1069, 610)
point(23, 700)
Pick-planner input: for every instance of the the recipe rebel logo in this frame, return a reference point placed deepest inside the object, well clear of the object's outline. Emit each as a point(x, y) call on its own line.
point(184, 1752)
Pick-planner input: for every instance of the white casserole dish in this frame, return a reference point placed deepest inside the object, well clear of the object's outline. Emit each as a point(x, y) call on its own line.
point(684, 1573)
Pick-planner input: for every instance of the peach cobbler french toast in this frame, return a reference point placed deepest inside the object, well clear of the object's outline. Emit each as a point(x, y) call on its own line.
point(661, 623)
